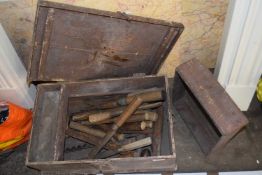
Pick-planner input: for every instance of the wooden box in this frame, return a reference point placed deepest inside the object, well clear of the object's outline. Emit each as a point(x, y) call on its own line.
point(206, 108)
point(81, 56)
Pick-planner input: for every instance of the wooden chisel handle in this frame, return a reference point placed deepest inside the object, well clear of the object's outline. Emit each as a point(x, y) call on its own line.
point(80, 117)
point(128, 147)
point(86, 129)
point(135, 145)
point(94, 118)
point(136, 102)
point(138, 126)
point(115, 111)
point(146, 124)
point(146, 116)
point(150, 96)
point(130, 109)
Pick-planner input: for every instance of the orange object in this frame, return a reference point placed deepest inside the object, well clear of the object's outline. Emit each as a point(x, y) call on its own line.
point(16, 129)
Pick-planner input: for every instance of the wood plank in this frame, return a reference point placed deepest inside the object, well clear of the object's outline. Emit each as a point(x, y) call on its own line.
point(46, 41)
point(196, 121)
point(42, 146)
point(213, 98)
point(92, 44)
point(157, 133)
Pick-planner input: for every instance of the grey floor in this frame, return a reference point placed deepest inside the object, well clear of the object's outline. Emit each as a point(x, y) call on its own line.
point(244, 152)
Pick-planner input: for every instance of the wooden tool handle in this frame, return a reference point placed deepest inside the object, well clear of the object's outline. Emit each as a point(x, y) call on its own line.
point(131, 127)
point(130, 109)
point(148, 96)
point(120, 137)
point(137, 144)
point(138, 116)
point(116, 111)
point(146, 124)
point(150, 105)
point(94, 118)
point(88, 130)
point(136, 102)
point(151, 116)
point(128, 147)
point(145, 116)
point(80, 117)
point(144, 132)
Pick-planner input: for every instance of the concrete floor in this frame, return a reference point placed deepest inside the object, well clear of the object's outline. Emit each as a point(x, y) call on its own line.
point(244, 152)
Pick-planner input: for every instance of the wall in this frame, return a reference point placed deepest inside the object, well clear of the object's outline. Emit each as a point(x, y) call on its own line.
point(203, 20)
point(239, 64)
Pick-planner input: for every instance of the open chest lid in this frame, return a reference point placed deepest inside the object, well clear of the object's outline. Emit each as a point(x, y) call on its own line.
point(74, 43)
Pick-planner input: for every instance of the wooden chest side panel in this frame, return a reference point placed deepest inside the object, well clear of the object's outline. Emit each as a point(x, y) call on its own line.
point(123, 85)
point(46, 143)
point(117, 165)
point(40, 21)
point(213, 98)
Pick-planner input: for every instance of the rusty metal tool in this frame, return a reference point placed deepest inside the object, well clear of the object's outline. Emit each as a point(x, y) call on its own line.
point(88, 138)
point(130, 109)
point(82, 136)
point(145, 152)
point(128, 147)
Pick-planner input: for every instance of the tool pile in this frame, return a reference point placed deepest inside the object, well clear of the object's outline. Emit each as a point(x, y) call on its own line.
point(125, 127)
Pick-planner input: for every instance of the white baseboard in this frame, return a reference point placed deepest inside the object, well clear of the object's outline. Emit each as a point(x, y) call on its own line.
point(241, 95)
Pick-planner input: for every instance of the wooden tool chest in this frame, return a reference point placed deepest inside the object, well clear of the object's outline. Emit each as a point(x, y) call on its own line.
point(83, 57)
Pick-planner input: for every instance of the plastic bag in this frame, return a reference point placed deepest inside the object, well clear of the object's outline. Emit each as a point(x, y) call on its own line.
point(15, 126)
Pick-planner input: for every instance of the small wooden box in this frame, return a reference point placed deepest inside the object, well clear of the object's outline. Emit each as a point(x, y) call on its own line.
point(206, 108)
point(81, 56)
point(55, 102)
